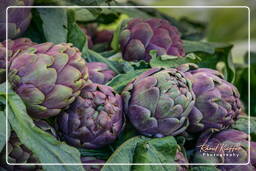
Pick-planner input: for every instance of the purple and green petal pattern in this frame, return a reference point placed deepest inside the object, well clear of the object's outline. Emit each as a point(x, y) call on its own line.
point(94, 120)
point(48, 77)
point(141, 36)
point(158, 102)
point(217, 101)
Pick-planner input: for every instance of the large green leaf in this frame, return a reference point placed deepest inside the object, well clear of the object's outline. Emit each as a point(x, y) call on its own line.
point(142, 150)
point(3, 130)
point(3, 118)
point(124, 154)
point(157, 150)
point(54, 23)
point(195, 46)
point(42, 144)
point(75, 34)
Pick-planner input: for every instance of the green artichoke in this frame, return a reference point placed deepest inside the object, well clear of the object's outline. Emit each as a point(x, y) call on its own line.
point(217, 101)
point(158, 102)
point(227, 146)
point(94, 120)
point(14, 47)
point(48, 77)
point(142, 36)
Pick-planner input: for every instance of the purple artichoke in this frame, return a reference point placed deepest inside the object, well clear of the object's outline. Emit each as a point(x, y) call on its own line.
point(158, 102)
point(18, 18)
point(92, 160)
point(103, 36)
point(94, 120)
point(217, 101)
point(48, 77)
point(142, 36)
point(227, 146)
point(18, 153)
point(14, 46)
point(99, 72)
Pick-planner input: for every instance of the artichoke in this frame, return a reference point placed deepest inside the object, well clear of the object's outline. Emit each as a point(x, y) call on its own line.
point(103, 36)
point(158, 102)
point(94, 120)
point(99, 72)
point(180, 159)
point(217, 101)
point(14, 46)
point(18, 153)
point(227, 146)
point(142, 36)
point(48, 77)
point(92, 160)
point(18, 18)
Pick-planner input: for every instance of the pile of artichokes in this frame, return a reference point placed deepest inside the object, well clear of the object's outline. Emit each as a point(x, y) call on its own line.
point(70, 97)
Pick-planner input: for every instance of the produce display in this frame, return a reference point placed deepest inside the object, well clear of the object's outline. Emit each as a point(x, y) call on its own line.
point(90, 87)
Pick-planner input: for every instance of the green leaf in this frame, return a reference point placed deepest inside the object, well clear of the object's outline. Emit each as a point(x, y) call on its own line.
point(221, 59)
point(121, 80)
point(124, 154)
point(128, 132)
point(204, 168)
point(242, 125)
point(132, 12)
point(75, 34)
point(35, 30)
point(102, 153)
point(84, 15)
point(195, 46)
point(54, 23)
point(157, 150)
point(167, 61)
point(42, 144)
point(3, 130)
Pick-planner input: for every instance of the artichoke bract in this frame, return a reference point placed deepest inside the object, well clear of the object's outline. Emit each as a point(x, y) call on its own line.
point(18, 18)
point(142, 36)
point(227, 146)
point(18, 153)
point(94, 120)
point(158, 102)
point(99, 72)
point(14, 46)
point(217, 101)
point(48, 77)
